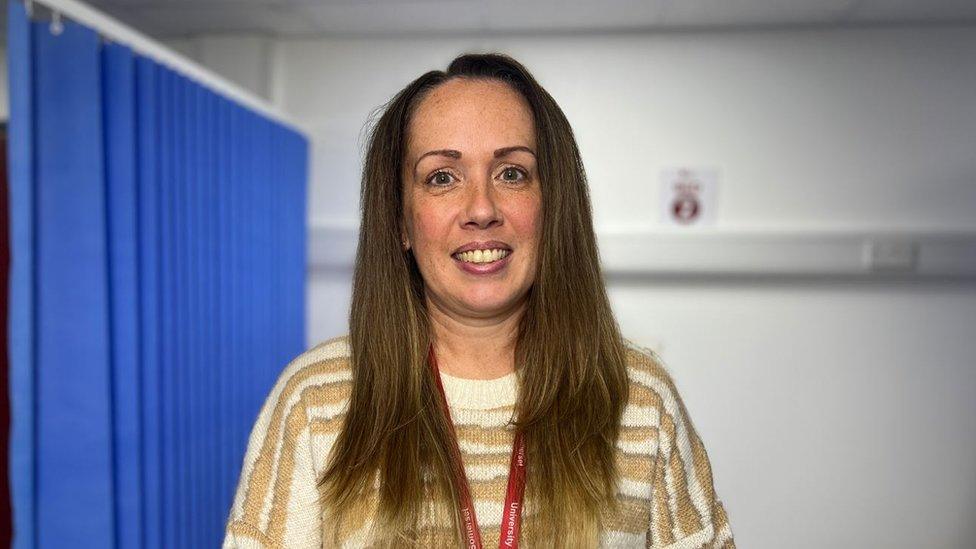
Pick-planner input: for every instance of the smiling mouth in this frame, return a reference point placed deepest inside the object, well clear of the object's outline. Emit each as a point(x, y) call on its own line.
point(481, 256)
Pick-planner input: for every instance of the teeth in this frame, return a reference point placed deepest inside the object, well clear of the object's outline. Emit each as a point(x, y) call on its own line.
point(482, 256)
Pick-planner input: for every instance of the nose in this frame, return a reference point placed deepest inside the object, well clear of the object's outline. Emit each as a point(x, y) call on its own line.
point(481, 207)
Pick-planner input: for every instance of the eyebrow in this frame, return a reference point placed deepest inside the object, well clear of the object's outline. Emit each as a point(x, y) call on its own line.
point(451, 153)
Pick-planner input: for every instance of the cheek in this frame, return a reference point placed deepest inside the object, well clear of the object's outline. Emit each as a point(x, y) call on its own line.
point(431, 227)
point(527, 220)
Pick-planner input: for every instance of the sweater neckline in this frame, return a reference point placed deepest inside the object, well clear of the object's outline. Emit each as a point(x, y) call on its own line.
point(480, 394)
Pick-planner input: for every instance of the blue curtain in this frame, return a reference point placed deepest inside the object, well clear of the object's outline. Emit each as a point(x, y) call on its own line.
point(157, 289)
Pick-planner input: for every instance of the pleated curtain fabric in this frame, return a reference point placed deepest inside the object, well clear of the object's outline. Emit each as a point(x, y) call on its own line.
point(157, 290)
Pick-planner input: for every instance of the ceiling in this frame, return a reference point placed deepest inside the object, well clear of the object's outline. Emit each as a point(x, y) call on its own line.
point(295, 18)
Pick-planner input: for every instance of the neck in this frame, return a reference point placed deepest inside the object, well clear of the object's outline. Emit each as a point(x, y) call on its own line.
point(474, 348)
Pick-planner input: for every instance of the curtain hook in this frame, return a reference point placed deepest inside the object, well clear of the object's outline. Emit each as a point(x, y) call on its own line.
point(57, 26)
point(29, 7)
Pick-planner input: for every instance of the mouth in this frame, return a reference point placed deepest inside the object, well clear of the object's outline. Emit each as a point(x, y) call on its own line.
point(482, 257)
point(480, 253)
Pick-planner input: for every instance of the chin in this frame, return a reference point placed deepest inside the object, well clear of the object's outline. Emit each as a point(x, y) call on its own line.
point(486, 306)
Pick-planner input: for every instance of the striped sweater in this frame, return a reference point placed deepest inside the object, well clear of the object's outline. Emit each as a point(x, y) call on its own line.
point(666, 494)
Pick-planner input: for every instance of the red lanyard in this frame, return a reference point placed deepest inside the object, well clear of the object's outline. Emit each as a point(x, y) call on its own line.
point(512, 517)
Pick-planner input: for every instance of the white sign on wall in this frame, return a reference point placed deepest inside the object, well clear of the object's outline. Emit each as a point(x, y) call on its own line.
point(688, 196)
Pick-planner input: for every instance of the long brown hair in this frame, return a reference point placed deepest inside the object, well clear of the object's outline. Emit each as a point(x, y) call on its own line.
point(569, 354)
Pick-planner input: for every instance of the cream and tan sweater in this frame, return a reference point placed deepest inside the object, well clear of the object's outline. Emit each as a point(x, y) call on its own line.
point(666, 492)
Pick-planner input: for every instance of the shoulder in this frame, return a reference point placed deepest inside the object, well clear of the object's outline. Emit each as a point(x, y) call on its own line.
point(283, 440)
point(313, 390)
point(318, 378)
point(334, 351)
point(326, 362)
point(647, 371)
point(652, 387)
point(315, 378)
point(681, 471)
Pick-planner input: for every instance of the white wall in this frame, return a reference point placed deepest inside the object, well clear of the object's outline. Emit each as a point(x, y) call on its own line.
point(847, 127)
point(836, 413)
point(242, 58)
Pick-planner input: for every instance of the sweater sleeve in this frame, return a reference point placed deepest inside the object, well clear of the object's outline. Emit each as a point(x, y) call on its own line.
point(686, 513)
point(276, 503)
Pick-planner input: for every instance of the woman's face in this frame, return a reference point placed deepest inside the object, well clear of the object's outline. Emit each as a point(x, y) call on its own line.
point(472, 201)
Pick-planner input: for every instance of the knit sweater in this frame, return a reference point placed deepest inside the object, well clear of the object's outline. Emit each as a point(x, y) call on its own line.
point(666, 494)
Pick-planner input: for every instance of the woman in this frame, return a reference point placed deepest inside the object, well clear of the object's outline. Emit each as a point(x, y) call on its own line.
point(484, 396)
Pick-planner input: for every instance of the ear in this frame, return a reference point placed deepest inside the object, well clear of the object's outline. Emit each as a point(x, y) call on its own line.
point(405, 241)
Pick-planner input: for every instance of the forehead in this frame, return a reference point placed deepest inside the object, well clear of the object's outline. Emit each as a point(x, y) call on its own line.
point(467, 113)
